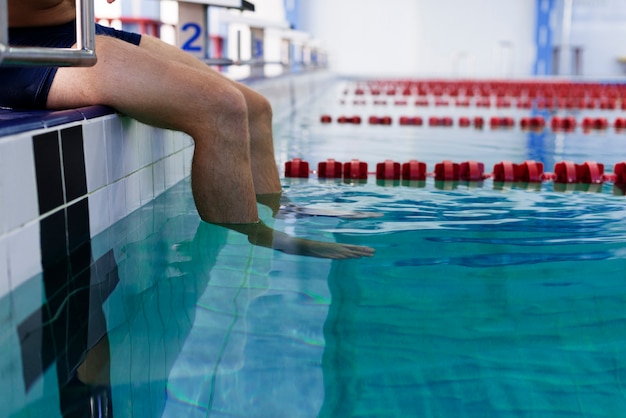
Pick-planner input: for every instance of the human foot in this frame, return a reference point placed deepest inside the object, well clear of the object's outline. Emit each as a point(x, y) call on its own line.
point(260, 234)
point(300, 246)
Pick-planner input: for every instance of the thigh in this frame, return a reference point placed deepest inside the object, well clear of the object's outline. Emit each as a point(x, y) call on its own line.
point(141, 84)
point(171, 52)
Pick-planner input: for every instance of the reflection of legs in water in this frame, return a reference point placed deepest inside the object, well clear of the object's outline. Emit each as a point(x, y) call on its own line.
point(88, 393)
point(230, 124)
point(95, 369)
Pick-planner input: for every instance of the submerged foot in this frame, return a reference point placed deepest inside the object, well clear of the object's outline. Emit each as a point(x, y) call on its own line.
point(260, 234)
point(300, 246)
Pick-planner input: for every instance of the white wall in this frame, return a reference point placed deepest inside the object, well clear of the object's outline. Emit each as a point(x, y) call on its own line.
point(358, 33)
point(599, 27)
point(477, 37)
point(425, 37)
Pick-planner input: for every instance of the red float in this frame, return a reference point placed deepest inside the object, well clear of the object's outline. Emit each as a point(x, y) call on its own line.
point(504, 172)
point(356, 120)
point(471, 171)
point(620, 173)
point(374, 120)
point(566, 123)
point(414, 170)
point(590, 172)
point(534, 122)
point(595, 123)
point(410, 121)
point(297, 168)
point(501, 121)
point(447, 171)
point(329, 169)
point(433, 121)
point(565, 172)
point(355, 170)
point(620, 123)
point(388, 170)
point(529, 172)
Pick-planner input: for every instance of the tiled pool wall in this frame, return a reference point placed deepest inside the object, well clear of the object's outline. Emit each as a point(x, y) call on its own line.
point(62, 185)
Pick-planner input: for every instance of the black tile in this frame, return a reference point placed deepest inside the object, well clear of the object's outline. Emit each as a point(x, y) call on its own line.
point(52, 238)
point(78, 224)
point(74, 162)
point(48, 171)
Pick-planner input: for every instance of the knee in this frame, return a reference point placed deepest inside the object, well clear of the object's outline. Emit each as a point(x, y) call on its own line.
point(260, 108)
point(232, 107)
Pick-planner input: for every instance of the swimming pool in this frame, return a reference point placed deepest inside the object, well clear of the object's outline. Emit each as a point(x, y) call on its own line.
point(483, 299)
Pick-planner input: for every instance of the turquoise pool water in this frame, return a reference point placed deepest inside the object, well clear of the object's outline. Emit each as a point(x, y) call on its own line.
point(482, 299)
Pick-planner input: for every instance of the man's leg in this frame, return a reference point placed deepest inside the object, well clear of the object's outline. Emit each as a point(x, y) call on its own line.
point(216, 112)
point(264, 170)
point(176, 96)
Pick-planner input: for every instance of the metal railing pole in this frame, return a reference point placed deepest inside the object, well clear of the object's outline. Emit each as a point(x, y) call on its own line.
point(4, 28)
point(82, 55)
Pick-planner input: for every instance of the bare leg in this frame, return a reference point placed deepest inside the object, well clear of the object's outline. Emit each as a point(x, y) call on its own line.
point(264, 170)
point(172, 95)
point(164, 87)
point(263, 164)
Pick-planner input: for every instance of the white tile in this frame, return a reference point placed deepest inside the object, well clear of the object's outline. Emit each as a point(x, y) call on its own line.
point(146, 185)
point(133, 194)
point(169, 142)
point(179, 142)
point(5, 284)
point(18, 193)
point(117, 201)
point(144, 144)
point(158, 177)
point(174, 169)
point(99, 215)
point(158, 145)
point(130, 153)
point(114, 142)
point(187, 140)
point(95, 154)
point(187, 158)
point(24, 254)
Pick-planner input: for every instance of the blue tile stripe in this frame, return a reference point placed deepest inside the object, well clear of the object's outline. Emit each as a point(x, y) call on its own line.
point(543, 38)
point(17, 121)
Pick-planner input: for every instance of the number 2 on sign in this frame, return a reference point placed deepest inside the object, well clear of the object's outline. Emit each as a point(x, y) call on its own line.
point(191, 43)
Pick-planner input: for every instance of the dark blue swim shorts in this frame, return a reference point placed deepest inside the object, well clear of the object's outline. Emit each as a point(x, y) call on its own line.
point(28, 87)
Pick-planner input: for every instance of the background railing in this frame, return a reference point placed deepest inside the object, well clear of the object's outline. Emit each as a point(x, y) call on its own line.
point(82, 55)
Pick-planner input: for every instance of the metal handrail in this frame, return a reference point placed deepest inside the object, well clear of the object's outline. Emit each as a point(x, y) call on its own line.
point(83, 55)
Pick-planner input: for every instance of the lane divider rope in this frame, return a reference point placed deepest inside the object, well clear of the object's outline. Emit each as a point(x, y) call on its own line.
point(566, 172)
point(557, 123)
